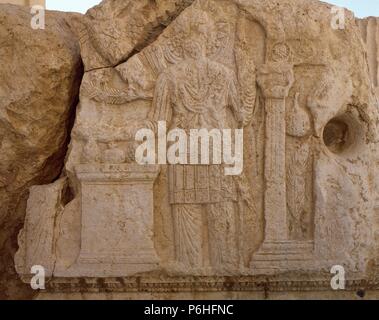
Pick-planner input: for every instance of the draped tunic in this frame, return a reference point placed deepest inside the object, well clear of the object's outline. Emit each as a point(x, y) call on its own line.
point(196, 94)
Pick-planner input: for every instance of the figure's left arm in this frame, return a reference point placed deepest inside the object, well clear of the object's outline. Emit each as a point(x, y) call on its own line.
point(234, 101)
point(242, 101)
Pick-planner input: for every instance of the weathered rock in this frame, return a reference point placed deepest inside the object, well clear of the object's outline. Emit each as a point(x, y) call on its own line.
point(306, 199)
point(370, 33)
point(113, 31)
point(44, 206)
point(40, 76)
point(25, 2)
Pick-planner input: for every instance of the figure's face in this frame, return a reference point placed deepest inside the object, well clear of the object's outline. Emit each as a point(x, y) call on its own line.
point(193, 49)
point(198, 29)
point(201, 24)
point(203, 27)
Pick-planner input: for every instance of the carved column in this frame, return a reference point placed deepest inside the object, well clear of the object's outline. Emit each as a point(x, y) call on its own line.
point(275, 81)
point(275, 177)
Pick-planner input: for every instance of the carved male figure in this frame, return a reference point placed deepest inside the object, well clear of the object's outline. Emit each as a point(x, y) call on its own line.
point(200, 93)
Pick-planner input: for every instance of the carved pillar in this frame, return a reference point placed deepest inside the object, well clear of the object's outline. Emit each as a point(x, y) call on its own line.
point(276, 252)
point(275, 177)
point(117, 221)
point(275, 81)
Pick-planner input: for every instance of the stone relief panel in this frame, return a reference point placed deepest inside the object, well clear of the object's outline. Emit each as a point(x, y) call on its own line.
point(370, 32)
point(305, 200)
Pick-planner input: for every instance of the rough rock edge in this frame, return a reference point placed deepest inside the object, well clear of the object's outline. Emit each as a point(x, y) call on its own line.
point(10, 286)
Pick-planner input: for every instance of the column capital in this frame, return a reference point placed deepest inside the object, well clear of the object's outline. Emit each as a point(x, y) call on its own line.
point(276, 79)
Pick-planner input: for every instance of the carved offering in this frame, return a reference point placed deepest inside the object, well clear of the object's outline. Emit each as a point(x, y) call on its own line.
point(223, 81)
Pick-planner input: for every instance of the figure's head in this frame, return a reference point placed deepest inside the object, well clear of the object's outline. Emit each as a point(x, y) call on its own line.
point(195, 24)
point(201, 23)
point(200, 28)
point(193, 48)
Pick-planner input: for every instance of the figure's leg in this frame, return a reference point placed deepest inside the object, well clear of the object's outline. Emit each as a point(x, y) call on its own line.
point(223, 245)
point(188, 235)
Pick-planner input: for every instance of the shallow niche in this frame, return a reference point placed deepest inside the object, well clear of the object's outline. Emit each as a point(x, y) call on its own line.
point(344, 134)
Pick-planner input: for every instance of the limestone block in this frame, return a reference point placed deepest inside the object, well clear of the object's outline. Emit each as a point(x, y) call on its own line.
point(117, 222)
point(37, 239)
point(306, 199)
point(305, 104)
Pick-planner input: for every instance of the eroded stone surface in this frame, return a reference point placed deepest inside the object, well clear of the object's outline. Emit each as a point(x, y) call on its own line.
point(113, 31)
point(370, 33)
point(37, 238)
point(307, 197)
point(39, 79)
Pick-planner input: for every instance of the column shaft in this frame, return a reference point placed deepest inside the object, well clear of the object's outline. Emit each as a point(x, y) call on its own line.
point(275, 171)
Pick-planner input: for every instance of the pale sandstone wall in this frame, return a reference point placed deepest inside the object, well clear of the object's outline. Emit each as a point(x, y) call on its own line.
point(302, 91)
point(120, 49)
point(25, 2)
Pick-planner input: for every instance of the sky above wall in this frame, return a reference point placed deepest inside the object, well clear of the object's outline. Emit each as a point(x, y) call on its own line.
point(361, 8)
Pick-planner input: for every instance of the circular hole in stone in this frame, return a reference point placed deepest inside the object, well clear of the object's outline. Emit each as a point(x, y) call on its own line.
point(361, 293)
point(336, 135)
point(345, 134)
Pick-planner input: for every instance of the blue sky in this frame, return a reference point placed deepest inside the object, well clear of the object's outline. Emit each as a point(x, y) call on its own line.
point(72, 5)
point(362, 8)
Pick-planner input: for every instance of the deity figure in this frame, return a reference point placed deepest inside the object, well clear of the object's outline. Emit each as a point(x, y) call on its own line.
point(200, 93)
